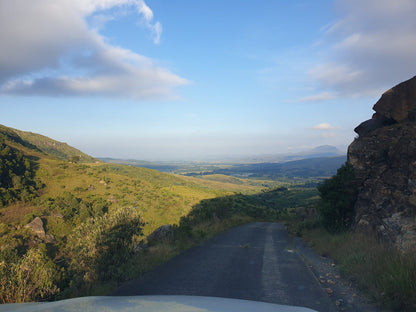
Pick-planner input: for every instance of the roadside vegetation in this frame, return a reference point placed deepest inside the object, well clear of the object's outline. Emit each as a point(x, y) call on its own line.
point(381, 271)
point(73, 228)
point(95, 219)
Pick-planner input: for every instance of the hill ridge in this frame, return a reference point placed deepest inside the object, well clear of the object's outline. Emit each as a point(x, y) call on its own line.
point(44, 144)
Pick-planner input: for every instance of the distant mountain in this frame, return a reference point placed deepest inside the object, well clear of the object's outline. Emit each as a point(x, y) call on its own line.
point(319, 167)
point(319, 151)
point(324, 151)
point(44, 144)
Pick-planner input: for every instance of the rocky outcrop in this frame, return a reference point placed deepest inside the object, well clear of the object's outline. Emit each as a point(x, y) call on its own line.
point(384, 158)
point(37, 227)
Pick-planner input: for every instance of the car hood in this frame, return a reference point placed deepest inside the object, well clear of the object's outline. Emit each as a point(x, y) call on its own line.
point(151, 304)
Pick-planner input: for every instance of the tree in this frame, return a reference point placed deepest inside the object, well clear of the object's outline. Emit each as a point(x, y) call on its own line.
point(338, 196)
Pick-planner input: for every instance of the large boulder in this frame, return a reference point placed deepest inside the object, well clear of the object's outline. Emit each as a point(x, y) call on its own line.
point(37, 227)
point(384, 158)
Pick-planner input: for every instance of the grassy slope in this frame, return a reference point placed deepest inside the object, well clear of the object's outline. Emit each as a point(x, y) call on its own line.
point(161, 198)
point(42, 143)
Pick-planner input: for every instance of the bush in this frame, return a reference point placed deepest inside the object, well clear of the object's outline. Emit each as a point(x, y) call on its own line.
point(99, 247)
point(32, 277)
point(338, 197)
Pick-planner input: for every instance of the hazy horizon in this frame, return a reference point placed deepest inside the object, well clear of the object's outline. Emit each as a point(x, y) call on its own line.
point(174, 79)
point(224, 157)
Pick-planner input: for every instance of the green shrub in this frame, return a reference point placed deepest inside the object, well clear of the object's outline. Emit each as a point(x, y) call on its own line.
point(338, 197)
point(99, 247)
point(28, 278)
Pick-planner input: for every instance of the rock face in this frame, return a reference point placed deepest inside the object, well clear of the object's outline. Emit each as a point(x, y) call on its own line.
point(384, 157)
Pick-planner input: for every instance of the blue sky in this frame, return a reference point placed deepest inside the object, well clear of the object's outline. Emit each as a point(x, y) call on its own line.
point(164, 80)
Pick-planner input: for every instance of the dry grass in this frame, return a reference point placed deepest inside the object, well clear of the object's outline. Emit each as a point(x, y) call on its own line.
point(15, 213)
point(384, 273)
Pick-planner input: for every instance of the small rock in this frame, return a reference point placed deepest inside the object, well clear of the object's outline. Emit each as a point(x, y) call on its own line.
point(112, 199)
point(141, 246)
point(329, 290)
point(50, 239)
point(339, 302)
point(164, 233)
point(57, 215)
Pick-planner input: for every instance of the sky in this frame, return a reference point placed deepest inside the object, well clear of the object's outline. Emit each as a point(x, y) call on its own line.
point(195, 79)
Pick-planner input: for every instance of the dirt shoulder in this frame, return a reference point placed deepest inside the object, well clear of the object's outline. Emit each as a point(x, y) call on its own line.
point(342, 292)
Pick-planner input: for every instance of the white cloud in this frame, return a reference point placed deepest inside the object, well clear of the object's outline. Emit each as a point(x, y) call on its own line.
point(157, 31)
point(371, 47)
point(323, 126)
point(324, 96)
point(49, 49)
point(146, 11)
point(155, 28)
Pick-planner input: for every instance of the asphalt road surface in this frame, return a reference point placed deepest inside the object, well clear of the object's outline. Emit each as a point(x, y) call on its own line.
point(255, 261)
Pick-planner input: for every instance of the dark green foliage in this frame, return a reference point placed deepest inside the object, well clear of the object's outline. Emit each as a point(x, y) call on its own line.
point(75, 209)
point(338, 197)
point(16, 176)
point(100, 247)
point(225, 207)
point(295, 197)
point(268, 205)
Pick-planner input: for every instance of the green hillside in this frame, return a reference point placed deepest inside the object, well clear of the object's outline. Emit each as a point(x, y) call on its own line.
point(69, 226)
point(89, 215)
point(47, 145)
point(40, 166)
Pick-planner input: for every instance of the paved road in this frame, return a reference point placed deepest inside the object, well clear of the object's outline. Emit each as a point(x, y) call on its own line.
point(254, 262)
